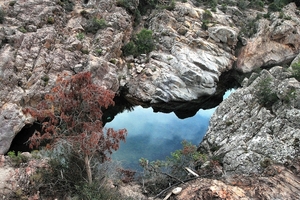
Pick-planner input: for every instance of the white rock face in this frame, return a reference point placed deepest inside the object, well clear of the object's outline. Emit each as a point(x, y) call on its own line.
point(247, 135)
point(276, 41)
point(185, 66)
point(12, 120)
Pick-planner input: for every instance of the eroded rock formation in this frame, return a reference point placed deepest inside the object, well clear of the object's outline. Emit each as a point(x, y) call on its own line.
point(264, 133)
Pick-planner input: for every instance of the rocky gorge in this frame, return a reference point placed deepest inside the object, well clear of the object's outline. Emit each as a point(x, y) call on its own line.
point(199, 53)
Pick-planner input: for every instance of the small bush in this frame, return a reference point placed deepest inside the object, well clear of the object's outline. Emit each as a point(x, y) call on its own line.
point(12, 3)
point(129, 49)
point(2, 15)
point(143, 43)
point(266, 96)
point(207, 15)
point(296, 71)
point(204, 24)
point(22, 29)
point(17, 158)
point(80, 36)
point(50, 20)
point(95, 24)
point(68, 5)
point(84, 14)
point(257, 4)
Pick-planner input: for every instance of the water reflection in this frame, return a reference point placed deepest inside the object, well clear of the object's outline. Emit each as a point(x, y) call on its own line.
point(154, 135)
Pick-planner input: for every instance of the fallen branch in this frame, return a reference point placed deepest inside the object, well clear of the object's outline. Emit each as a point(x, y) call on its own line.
point(191, 171)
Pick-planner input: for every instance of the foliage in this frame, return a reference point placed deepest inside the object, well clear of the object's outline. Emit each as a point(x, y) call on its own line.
point(161, 173)
point(95, 24)
point(257, 4)
point(68, 5)
point(50, 20)
point(2, 15)
point(84, 14)
point(289, 96)
point(295, 68)
point(17, 158)
point(72, 111)
point(80, 36)
point(129, 49)
point(142, 43)
point(12, 3)
point(207, 15)
point(65, 176)
point(22, 29)
point(266, 96)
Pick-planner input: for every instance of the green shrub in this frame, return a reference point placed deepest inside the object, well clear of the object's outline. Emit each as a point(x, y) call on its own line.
point(95, 24)
point(12, 3)
point(296, 70)
point(142, 43)
point(129, 49)
point(265, 94)
point(68, 5)
point(207, 15)
point(204, 24)
point(17, 158)
point(22, 29)
point(50, 20)
point(84, 14)
point(2, 15)
point(80, 36)
point(242, 4)
point(257, 4)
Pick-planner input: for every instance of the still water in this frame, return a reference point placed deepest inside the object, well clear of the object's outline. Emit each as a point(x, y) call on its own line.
point(155, 135)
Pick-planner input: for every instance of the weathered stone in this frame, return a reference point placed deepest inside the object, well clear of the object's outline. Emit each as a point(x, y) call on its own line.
point(262, 133)
point(12, 120)
point(277, 182)
point(276, 42)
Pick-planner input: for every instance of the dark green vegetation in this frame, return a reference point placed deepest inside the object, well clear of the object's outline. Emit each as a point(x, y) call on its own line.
point(94, 24)
point(2, 15)
point(17, 158)
point(296, 71)
point(142, 43)
point(265, 94)
point(68, 5)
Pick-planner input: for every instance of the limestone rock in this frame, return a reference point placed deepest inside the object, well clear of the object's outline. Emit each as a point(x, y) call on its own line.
point(185, 66)
point(264, 134)
point(39, 40)
point(12, 120)
point(277, 42)
point(277, 182)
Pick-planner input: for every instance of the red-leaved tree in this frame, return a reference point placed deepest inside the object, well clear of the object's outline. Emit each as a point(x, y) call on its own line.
point(73, 111)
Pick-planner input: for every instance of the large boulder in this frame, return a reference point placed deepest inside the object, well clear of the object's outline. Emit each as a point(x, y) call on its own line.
point(186, 65)
point(276, 42)
point(248, 130)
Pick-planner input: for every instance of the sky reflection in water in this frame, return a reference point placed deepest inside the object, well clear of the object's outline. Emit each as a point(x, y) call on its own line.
point(155, 135)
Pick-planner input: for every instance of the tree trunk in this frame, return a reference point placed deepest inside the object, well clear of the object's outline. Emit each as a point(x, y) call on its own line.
point(88, 169)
